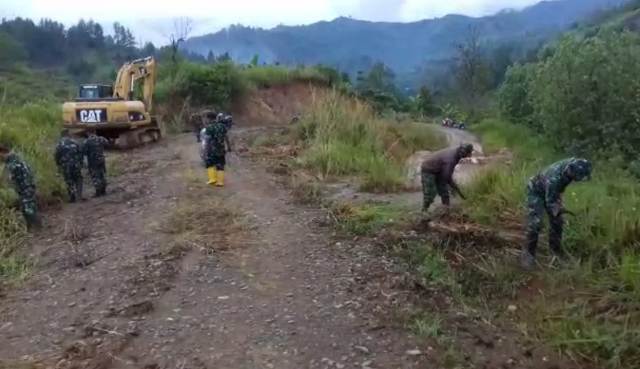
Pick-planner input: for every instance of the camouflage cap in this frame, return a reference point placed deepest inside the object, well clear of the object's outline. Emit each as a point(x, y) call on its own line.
point(581, 169)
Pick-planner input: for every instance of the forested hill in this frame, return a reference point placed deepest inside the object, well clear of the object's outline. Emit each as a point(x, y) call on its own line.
point(353, 45)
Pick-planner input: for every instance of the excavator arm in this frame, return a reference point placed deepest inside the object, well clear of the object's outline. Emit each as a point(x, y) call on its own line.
point(130, 73)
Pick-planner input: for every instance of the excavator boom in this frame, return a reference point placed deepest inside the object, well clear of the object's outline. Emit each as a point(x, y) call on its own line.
point(130, 73)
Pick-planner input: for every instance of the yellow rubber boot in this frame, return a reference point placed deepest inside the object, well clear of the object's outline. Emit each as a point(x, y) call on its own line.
point(220, 181)
point(211, 172)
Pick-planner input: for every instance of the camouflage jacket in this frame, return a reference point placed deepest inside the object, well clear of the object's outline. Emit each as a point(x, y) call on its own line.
point(68, 154)
point(217, 134)
point(552, 182)
point(93, 148)
point(21, 176)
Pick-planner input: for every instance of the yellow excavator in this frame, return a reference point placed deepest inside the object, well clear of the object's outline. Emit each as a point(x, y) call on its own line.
point(113, 110)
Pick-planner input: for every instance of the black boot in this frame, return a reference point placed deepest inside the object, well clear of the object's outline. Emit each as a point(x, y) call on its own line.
point(34, 223)
point(528, 256)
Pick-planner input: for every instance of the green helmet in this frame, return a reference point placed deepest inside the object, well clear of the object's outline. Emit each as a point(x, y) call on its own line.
point(580, 169)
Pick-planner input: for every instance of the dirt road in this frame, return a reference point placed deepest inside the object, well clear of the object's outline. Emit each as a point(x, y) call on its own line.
point(118, 286)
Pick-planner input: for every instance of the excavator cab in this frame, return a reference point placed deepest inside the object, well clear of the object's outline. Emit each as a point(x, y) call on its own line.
point(95, 92)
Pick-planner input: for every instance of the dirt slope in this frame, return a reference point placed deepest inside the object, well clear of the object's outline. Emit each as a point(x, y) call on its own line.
point(274, 105)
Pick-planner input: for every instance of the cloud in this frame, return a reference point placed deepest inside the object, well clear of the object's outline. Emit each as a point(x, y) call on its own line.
point(151, 19)
point(420, 9)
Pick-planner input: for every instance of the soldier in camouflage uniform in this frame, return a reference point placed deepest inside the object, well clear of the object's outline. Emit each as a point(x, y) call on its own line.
point(217, 146)
point(437, 174)
point(544, 195)
point(24, 184)
point(93, 148)
point(69, 158)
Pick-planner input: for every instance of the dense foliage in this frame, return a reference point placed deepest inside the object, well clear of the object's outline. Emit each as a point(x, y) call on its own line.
point(584, 97)
point(49, 44)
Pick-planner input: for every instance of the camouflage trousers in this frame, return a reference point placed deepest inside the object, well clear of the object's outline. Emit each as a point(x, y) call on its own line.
point(29, 208)
point(432, 185)
point(73, 179)
point(98, 173)
point(216, 159)
point(536, 208)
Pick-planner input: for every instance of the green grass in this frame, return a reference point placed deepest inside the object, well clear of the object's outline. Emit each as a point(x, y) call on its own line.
point(267, 76)
point(367, 219)
point(343, 137)
point(427, 325)
point(20, 85)
point(590, 308)
point(31, 130)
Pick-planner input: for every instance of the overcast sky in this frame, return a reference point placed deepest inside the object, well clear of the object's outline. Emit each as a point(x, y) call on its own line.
point(151, 19)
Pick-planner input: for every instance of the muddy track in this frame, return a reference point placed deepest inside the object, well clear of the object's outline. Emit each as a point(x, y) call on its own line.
point(111, 290)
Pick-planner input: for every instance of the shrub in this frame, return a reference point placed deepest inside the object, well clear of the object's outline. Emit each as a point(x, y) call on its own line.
point(583, 97)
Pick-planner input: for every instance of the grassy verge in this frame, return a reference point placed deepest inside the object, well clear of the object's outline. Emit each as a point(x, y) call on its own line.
point(590, 308)
point(266, 76)
point(343, 136)
point(367, 219)
point(31, 130)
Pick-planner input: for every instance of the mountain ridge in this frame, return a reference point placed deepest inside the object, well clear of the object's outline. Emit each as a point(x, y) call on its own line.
point(352, 45)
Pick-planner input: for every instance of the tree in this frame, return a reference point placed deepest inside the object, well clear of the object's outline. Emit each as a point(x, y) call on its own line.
point(182, 28)
point(254, 60)
point(149, 49)
point(85, 35)
point(380, 79)
point(11, 51)
point(378, 87)
point(124, 43)
point(424, 103)
point(472, 70)
point(223, 58)
point(514, 95)
point(211, 57)
point(122, 36)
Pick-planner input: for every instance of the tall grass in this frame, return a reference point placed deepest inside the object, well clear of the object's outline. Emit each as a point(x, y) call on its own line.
point(266, 76)
point(344, 137)
point(608, 221)
point(31, 130)
point(591, 307)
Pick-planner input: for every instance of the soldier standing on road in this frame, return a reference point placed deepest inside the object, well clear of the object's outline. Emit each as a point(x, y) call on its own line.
point(24, 184)
point(544, 194)
point(437, 174)
point(69, 158)
point(94, 150)
point(218, 145)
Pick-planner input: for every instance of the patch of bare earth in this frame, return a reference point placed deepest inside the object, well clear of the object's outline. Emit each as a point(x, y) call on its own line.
point(456, 332)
